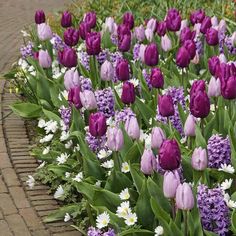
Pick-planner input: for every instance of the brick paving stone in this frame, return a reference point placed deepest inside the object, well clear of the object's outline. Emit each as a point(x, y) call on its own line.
point(10, 177)
point(1, 215)
point(4, 161)
point(7, 205)
point(3, 188)
point(5, 228)
point(72, 233)
point(19, 197)
point(41, 233)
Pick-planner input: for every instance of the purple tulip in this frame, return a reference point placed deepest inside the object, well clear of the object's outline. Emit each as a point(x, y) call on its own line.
point(115, 139)
point(97, 124)
point(173, 20)
point(88, 100)
point(148, 162)
point(191, 48)
point(161, 28)
point(152, 24)
point(206, 24)
point(151, 55)
point(68, 57)
point(170, 183)
point(44, 31)
point(66, 19)
point(139, 33)
point(156, 78)
point(197, 16)
point(149, 34)
point(214, 87)
point(44, 58)
point(190, 126)
point(157, 137)
point(84, 28)
point(166, 44)
point(196, 86)
point(91, 19)
point(71, 37)
point(132, 127)
point(169, 155)
point(184, 197)
point(182, 57)
point(199, 159)
point(93, 43)
point(166, 105)
point(74, 97)
point(212, 38)
point(39, 17)
point(124, 42)
point(225, 70)
point(122, 70)
point(186, 34)
point(71, 79)
point(107, 71)
point(228, 87)
point(128, 93)
point(128, 19)
point(213, 63)
point(122, 30)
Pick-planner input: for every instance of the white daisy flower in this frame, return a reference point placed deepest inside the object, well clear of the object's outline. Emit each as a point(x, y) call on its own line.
point(59, 192)
point(31, 181)
point(125, 167)
point(62, 158)
point(123, 210)
point(78, 177)
point(41, 123)
point(102, 220)
point(231, 204)
point(64, 136)
point(46, 138)
point(227, 168)
point(108, 164)
point(67, 217)
point(159, 230)
point(46, 150)
point(68, 144)
point(124, 195)
point(131, 219)
point(226, 184)
point(104, 154)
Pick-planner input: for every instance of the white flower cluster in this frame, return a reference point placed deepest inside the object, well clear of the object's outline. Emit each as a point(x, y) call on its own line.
point(225, 186)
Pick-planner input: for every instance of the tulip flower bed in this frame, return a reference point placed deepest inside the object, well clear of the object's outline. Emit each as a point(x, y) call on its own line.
point(136, 123)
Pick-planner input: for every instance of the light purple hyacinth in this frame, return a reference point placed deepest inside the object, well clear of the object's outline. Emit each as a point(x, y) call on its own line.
point(136, 51)
point(105, 102)
point(27, 50)
point(114, 59)
point(147, 78)
point(57, 42)
point(123, 115)
point(102, 56)
point(231, 48)
point(65, 113)
point(92, 231)
point(219, 151)
point(199, 45)
point(213, 210)
point(114, 39)
point(85, 84)
point(96, 144)
point(84, 59)
point(221, 35)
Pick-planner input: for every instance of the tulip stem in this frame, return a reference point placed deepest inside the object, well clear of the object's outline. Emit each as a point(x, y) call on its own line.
point(173, 208)
point(202, 125)
point(185, 213)
point(117, 163)
point(89, 212)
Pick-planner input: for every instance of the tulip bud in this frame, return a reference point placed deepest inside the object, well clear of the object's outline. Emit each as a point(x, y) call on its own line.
point(166, 105)
point(149, 34)
point(91, 19)
point(161, 28)
point(169, 155)
point(212, 38)
point(213, 63)
point(84, 28)
point(128, 93)
point(39, 17)
point(191, 48)
point(184, 24)
point(197, 16)
point(74, 97)
point(196, 86)
point(156, 78)
point(93, 43)
point(190, 126)
point(123, 29)
point(107, 71)
point(66, 19)
point(148, 162)
point(157, 137)
point(68, 57)
point(182, 57)
point(170, 183)
point(71, 79)
point(166, 44)
point(115, 139)
point(44, 31)
point(110, 24)
point(71, 37)
point(45, 60)
point(206, 24)
point(128, 19)
point(186, 34)
point(228, 87)
point(214, 21)
point(132, 127)
point(142, 52)
point(214, 87)
point(151, 55)
point(97, 124)
point(88, 100)
point(199, 159)
point(173, 20)
point(139, 33)
point(184, 197)
point(152, 24)
point(122, 70)
point(124, 42)
point(222, 26)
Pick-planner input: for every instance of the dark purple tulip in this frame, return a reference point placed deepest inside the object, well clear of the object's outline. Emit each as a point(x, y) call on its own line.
point(128, 19)
point(91, 19)
point(191, 48)
point(206, 24)
point(161, 28)
point(200, 104)
point(128, 93)
point(212, 38)
point(166, 105)
point(156, 78)
point(74, 97)
point(122, 70)
point(198, 85)
point(97, 124)
point(173, 20)
point(186, 34)
point(93, 43)
point(213, 63)
point(39, 17)
point(84, 28)
point(122, 30)
point(169, 155)
point(66, 19)
point(183, 57)
point(71, 36)
point(68, 57)
point(124, 43)
point(151, 55)
point(197, 16)
point(224, 70)
point(228, 87)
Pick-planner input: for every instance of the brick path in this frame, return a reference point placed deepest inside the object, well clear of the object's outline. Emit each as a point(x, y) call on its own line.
point(21, 208)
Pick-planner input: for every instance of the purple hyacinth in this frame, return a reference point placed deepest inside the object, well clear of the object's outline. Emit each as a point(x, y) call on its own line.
point(110, 232)
point(219, 151)
point(105, 102)
point(102, 56)
point(85, 84)
point(147, 78)
point(221, 35)
point(84, 59)
point(65, 113)
point(27, 50)
point(96, 144)
point(213, 210)
point(199, 45)
point(231, 48)
point(136, 51)
point(114, 39)
point(58, 43)
point(92, 231)
point(123, 115)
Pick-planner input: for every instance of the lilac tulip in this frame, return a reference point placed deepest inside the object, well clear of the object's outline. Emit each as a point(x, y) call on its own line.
point(44, 31)
point(44, 58)
point(199, 159)
point(88, 100)
point(139, 33)
point(107, 71)
point(71, 79)
point(170, 183)
point(184, 197)
point(166, 44)
point(148, 162)
point(115, 139)
point(214, 87)
point(190, 126)
point(132, 127)
point(157, 137)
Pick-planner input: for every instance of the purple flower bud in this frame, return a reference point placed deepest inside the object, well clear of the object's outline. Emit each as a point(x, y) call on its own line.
point(182, 57)
point(214, 87)
point(151, 55)
point(214, 21)
point(169, 155)
point(224, 71)
point(128, 19)
point(166, 44)
point(148, 162)
point(93, 43)
point(149, 34)
point(197, 16)
point(91, 19)
point(39, 17)
point(197, 85)
point(84, 28)
point(123, 29)
point(213, 63)
point(139, 33)
point(124, 42)
point(191, 48)
point(66, 19)
point(157, 137)
point(166, 105)
point(71, 79)
point(206, 24)
point(228, 87)
point(132, 127)
point(190, 126)
point(212, 38)
point(107, 71)
point(88, 100)
point(199, 159)
point(44, 31)
point(184, 197)
point(128, 93)
point(122, 70)
point(74, 97)
point(110, 24)
point(68, 57)
point(156, 78)
point(45, 60)
point(71, 36)
point(142, 52)
point(186, 34)
point(173, 20)
point(115, 139)
point(161, 28)
point(170, 183)
point(152, 24)
point(97, 124)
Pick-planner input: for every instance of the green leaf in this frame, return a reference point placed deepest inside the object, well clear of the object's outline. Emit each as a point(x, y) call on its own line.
point(27, 110)
point(51, 115)
point(137, 177)
point(131, 232)
point(233, 221)
point(200, 141)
